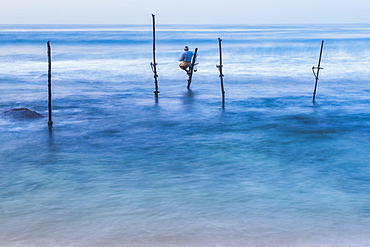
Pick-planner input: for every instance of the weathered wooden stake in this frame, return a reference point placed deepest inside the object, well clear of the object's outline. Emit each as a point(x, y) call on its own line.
point(154, 64)
point(50, 122)
point(221, 75)
point(318, 71)
point(192, 67)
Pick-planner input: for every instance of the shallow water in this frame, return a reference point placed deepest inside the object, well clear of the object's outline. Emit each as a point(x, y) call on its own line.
point(122, 168)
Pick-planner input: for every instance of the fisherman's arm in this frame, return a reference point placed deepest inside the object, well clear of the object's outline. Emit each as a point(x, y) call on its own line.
point(182, 57)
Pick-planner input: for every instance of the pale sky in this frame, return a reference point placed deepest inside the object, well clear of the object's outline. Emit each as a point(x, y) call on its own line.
point(183, 12)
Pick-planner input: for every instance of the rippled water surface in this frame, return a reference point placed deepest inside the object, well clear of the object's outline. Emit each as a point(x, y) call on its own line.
point(121, 167)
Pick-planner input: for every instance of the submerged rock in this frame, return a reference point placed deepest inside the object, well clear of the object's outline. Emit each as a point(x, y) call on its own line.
point(22, 113)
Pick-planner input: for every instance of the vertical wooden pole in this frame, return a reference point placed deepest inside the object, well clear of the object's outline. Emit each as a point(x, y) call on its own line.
point(192, 67)
point(154, 63)
point(50, 122)
point(221, 75)
point(318, 71)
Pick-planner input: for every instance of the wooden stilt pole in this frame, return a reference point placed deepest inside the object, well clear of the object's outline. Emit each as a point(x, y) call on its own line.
point(221, 75)
point(154, 64)
point(50, 122)
point(318, 71)
point(192, 67)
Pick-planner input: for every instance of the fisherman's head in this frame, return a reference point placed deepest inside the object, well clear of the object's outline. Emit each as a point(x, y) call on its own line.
point(186, 48)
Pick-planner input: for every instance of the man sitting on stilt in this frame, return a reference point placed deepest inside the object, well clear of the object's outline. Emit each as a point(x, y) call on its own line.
point(186, 60)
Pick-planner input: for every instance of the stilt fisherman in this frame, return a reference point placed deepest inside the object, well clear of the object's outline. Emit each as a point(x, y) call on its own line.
point(186, 60)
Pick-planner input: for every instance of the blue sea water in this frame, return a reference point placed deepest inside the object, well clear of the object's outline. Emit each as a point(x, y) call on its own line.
point(121, 167)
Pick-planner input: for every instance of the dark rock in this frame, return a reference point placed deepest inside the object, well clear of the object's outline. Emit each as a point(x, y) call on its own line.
point(22, 113)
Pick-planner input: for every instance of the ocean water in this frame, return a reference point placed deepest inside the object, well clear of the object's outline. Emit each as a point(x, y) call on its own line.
point(121, 167)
